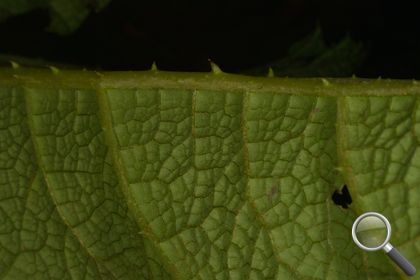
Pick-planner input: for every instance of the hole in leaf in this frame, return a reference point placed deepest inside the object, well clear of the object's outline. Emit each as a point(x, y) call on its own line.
point(342, 198)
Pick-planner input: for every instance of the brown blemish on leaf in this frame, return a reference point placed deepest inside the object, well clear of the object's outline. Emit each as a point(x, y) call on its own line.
point(272, 192)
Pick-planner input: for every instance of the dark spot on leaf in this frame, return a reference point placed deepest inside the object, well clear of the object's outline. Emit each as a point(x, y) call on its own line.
point(272, 192)
point(342, 198)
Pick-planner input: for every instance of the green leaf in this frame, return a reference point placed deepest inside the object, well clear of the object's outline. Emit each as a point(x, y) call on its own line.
point(66, 15)
point(140, 175)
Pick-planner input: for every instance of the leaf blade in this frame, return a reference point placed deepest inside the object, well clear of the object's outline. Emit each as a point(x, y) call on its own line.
point(233, 211)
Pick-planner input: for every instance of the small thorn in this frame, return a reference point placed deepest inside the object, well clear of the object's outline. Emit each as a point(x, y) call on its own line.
point(353, 76)
point(415, 82)
point(154, 67)
point(214, 68)
point(325, 82)
point(14, 64)
point(53, 69)
point(144, 233)
point(379, 78)
point(270, 73)
point(339, 169)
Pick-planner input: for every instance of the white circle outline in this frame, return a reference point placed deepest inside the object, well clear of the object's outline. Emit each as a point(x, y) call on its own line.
point(367, 214)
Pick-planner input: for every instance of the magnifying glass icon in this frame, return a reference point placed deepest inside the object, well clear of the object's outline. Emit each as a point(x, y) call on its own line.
point(371, 231)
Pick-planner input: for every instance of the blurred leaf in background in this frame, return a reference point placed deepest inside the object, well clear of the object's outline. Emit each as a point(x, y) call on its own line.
point(311, 57)
point(65, 15)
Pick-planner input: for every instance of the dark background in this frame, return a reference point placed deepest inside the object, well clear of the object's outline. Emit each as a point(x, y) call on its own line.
point(237, 35)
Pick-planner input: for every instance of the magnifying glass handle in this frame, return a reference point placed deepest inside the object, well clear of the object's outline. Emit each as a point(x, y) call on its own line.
point(402, 262)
